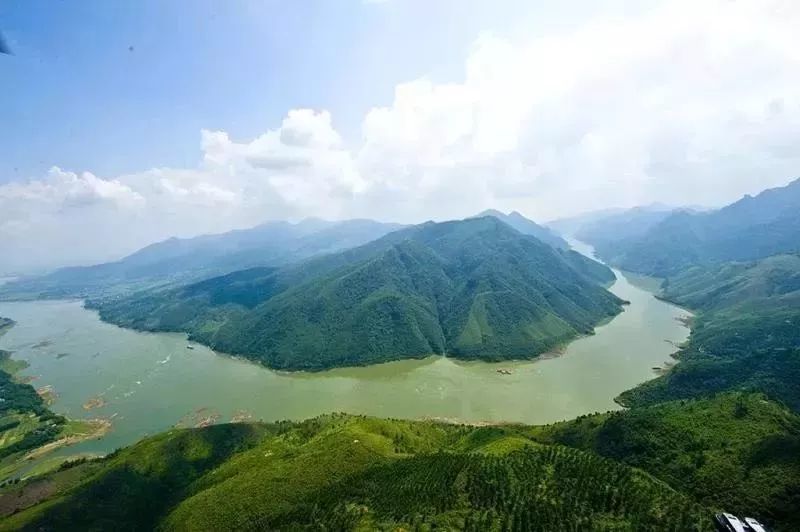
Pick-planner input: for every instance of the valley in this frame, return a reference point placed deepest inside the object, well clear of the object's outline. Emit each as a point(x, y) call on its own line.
point(147, 382)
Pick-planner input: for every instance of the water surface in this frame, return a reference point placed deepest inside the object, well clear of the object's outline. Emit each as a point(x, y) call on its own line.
point(151, 381)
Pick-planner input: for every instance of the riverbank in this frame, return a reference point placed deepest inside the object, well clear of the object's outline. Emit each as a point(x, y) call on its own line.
point(29, 430)
point(149, 382)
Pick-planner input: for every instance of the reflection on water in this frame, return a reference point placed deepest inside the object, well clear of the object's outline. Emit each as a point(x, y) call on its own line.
point(148, 382)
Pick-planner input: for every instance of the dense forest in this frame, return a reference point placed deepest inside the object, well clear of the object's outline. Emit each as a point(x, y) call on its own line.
point(471, 289)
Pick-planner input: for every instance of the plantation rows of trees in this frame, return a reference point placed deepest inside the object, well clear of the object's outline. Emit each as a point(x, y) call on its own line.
point(538, 488)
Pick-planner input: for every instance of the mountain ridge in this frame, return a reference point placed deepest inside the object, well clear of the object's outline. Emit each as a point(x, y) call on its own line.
point(751, 228)
point(473, 288)
point(180, 260)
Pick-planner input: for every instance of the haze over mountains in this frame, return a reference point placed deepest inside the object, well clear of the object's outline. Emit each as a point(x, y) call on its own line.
point(182, 260)
point(475, 288)
point(663, 243)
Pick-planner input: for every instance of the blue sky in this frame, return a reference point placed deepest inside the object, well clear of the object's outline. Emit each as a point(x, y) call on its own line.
point(77, 96)
point(126, 122)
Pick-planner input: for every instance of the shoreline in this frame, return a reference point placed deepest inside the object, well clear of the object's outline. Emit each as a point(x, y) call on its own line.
point(72, 431)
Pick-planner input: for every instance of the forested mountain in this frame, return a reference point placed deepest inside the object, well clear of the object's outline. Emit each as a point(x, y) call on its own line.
point(471, 289)
point(751, 228)
point(528, 227)
point(735, 450)
point(746, 335)
point(183, 260)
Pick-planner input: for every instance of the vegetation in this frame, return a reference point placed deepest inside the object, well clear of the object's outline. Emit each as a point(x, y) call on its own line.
point(749, 229)
point(735, 451)
point(345, 472)
point(26, 424)
point(471, 289)
point(176, 261)
point(746, 336)
point(720, 431)
point(25, 421)
point(528, 227)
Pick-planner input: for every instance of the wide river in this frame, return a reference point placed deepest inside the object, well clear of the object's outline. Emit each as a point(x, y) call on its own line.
point(147, 382)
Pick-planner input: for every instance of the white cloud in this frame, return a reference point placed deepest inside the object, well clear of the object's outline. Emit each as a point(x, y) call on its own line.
point(693, 102)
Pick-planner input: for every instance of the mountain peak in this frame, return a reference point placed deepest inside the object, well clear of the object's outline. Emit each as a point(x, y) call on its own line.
point(526, 226)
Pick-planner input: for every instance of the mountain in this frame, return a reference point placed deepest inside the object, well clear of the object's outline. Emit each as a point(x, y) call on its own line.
point(179, 260)
point(623, 226)
point(470, 289)
point(751, 228)
point(572, 224)
point(527, 227)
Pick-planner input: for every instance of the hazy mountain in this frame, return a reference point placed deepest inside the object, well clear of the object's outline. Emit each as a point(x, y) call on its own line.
point(475, 288)
point(570, 225)
point(610, 225)
point(625, 225)
point(528, 227)
point(188, 259)
point(751, 228)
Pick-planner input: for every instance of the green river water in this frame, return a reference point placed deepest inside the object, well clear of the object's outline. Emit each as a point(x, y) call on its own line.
point(149, 382)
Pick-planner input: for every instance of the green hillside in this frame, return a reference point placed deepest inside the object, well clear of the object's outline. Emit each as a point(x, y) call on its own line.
point(469, 289)
point(343, 472)
point(734, 451)
point(746, 335)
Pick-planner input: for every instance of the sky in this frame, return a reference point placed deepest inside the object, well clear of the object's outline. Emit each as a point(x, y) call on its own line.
point(127, 122)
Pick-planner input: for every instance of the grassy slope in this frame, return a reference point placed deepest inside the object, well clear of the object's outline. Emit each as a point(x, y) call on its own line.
point(347, 472)
point(473, 289)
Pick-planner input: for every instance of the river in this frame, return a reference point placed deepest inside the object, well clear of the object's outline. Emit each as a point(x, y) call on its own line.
point(148, 382)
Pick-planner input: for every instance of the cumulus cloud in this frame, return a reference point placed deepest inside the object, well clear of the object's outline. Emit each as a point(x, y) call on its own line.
point(689, 103)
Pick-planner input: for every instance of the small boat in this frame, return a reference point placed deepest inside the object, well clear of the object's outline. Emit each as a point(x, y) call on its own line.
point(189, 347)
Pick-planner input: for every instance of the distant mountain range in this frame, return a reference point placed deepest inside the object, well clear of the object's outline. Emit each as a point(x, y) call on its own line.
point(665, 243)
point(475, 288)
point(179, 260)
